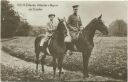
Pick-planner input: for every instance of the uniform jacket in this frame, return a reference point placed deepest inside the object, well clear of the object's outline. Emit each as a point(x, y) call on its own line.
point(74, 21)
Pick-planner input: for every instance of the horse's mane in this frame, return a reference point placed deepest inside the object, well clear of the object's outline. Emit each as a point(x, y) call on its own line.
point(58, 32)
point(87, 27)
point(90, 24)
point(58, 28)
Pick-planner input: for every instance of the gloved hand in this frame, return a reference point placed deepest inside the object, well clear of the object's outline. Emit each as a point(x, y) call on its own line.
point(75, 29)
point(81, 27)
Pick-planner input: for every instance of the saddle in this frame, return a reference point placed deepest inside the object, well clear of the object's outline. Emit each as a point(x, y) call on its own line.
point(68, 38)
point(44, 40)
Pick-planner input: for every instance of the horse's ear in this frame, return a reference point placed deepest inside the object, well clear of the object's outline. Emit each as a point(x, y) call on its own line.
point(100, 17)
point(64, 18)
point(58, 18)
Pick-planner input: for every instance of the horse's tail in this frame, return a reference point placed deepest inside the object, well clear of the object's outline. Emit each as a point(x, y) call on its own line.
point(37, 50)
point(37, 43)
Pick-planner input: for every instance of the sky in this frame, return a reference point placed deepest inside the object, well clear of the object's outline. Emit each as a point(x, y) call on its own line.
point(87, 10)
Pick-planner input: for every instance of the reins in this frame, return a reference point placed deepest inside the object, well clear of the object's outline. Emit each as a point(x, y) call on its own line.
point(66, 27)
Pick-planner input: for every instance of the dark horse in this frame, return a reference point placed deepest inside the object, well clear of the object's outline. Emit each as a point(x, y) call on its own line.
point(57, 47)
point(85, 43)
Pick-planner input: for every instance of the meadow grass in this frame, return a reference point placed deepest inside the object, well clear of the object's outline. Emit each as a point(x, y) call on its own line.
point(109, 56)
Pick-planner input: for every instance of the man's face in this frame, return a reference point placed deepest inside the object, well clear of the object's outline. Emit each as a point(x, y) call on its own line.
point(51, 17)
point(75, 10)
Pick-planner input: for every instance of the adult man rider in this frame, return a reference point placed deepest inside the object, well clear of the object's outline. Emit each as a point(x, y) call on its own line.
point(74, 24)
point(51, 27)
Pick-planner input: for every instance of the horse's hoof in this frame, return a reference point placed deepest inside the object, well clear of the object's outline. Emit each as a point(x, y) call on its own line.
point(85, 76)
point(54, 77)
point(36, 71)
point(43, 72)
point(60, 78)
point(62, 72)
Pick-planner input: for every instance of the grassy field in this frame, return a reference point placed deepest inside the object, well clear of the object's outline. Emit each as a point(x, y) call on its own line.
point(15, 69)
point(25, 74)
point(10, 73)
point(109, 56)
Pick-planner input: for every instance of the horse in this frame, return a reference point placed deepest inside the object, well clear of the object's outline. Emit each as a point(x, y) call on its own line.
point(84, 42)
point(57, 47)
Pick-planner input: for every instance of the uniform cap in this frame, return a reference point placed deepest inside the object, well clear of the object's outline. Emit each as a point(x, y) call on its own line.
point(51, 15)
point(75, 6)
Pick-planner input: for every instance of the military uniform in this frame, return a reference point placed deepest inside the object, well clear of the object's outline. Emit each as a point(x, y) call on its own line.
point(74, 23)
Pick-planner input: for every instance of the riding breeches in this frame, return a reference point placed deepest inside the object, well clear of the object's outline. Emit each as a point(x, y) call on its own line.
point(74, 35)
point(44, 40)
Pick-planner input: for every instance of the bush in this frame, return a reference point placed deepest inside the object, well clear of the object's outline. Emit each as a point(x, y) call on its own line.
point(118, 28)
point(37, 30)
point(23, 29)
point(9, 19)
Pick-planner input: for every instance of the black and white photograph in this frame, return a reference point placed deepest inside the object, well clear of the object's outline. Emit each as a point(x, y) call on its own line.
point(63, 41)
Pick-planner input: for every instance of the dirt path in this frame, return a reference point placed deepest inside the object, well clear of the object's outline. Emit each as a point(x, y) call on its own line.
point(7, 59)
point(11, 61)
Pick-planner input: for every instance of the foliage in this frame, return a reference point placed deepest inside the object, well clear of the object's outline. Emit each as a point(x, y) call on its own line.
point(109, 57)
point(37, 30)
point(23, 29)
point(118, 28)
point(9, 19)
point(11, 22)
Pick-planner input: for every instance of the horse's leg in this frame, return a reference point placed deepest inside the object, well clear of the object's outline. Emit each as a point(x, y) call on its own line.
point(60, 62)
point(86, 54)
point(70, 46)
point(37, 60)
point(54, 66)
point(43, 62)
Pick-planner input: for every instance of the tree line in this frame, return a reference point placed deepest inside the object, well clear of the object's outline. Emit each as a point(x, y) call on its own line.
point(14, 25)
point(11, 22)
point(118, 28)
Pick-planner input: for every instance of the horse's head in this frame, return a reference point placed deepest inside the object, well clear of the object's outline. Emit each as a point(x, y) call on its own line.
point(99, 25)
point(61, 28)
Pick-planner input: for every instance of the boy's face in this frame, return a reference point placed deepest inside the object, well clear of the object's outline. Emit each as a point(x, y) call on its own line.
point(51, 17)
